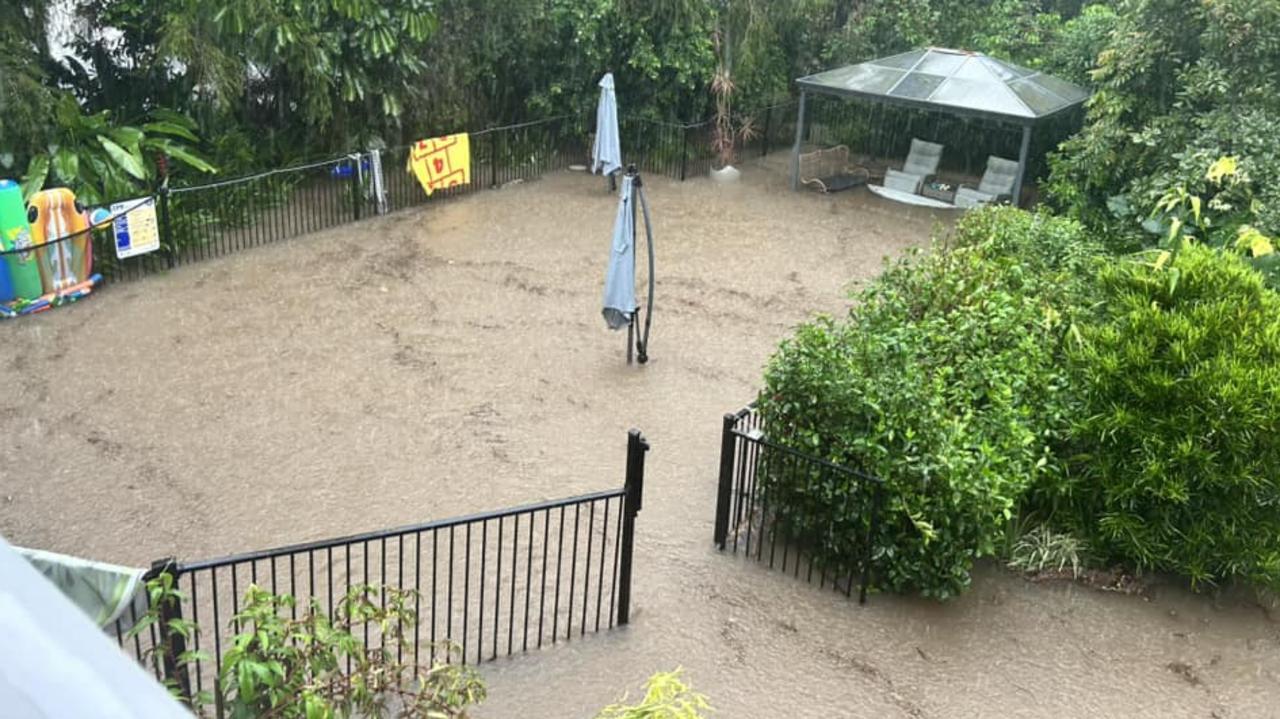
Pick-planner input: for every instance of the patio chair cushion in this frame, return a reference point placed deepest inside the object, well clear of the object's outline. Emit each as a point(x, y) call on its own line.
point(903, 181)
point(999, 178)
point(923, 159)
point(969, 197)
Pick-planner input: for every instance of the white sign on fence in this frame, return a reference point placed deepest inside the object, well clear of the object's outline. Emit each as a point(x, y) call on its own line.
point(136, 230)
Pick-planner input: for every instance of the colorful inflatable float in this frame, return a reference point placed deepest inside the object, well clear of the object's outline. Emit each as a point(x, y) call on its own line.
point(47, 251)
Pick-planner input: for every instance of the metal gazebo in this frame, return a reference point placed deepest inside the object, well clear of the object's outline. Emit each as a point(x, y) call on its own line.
point(958, 82)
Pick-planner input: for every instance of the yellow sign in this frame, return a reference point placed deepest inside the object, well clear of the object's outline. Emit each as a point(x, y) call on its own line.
point(441, 162)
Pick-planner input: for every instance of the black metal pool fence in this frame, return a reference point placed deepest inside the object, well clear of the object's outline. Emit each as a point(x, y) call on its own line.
point(490, 584)
point(219, 218)
point(753, 469)
point(210, 220)
point(199, 222)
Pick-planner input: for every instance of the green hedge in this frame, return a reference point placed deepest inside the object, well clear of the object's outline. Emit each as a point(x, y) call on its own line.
point(946, 381)
point(1174, 461)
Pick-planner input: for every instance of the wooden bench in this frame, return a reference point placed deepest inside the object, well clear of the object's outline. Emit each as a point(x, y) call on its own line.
point(829, 170)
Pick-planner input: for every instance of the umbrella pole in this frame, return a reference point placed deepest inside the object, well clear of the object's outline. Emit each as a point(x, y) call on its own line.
point(635, 312)
point(642, 345)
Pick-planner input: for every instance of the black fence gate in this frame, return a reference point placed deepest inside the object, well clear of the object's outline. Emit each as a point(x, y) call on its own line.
point(494, 584)
point(744, 519)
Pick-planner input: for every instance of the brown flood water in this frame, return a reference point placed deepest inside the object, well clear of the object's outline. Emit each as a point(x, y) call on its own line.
point(452, 359)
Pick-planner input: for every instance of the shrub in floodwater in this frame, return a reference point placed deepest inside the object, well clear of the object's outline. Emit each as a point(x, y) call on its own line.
point(666, 696)
point(1174, 461)
point(946, 381)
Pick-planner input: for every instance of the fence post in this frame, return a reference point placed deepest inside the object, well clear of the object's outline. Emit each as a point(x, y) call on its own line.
point(636, 447)
point(876, 498)
point(493, 162)
point(357, 186)
point(725, 492)
point(173, 644)
point(764, 139)
point(166, 229)
point(795, 150)
point(684, 150)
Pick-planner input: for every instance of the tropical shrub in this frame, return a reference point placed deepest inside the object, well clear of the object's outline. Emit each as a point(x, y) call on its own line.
point(1174, 459)
point(102, 161)
point(666, 696)
point(1219, 208)
point(945, 381)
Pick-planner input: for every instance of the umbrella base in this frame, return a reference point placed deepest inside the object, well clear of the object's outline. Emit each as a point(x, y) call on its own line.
point(641, 349)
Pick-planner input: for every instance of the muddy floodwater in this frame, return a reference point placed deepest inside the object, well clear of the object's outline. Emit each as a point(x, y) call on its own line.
point(452, 359)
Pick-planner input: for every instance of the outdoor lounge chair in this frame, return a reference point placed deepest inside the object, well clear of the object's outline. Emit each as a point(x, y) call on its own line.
point(829, 170)
point(996, 184)
point(921, 167)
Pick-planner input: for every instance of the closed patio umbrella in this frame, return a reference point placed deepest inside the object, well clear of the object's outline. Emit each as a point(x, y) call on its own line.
point(620, 306)
point(103, 591)
point(57, 662)
point(606, 153)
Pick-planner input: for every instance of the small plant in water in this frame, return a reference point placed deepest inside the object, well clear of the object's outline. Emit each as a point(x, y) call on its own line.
point(1043, 549)
point(666, 696)
point(314, 666)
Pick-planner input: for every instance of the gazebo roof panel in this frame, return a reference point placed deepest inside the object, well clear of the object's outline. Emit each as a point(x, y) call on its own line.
point(905, 61)
point(1005, 71)
point(1036, 97)
point(917, 86)
point(960, 93)
point(866, 78)
point(1062, 88)
point(942, 63)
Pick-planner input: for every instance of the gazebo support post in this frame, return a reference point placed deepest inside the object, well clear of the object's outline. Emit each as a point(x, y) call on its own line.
point(795, 149)
point(1022, 165)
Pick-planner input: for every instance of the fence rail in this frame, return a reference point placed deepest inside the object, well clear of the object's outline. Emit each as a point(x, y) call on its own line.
point(753, 471)
point(493, 584)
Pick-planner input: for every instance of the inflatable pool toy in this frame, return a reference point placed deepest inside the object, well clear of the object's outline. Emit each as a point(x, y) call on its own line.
point(79, 290)
point(23, 307)
point(6, 285)
point(15, 234)
point(55, 214)
point(31, 308)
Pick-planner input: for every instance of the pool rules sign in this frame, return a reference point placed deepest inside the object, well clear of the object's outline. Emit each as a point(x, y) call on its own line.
point(135, 227)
